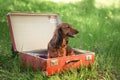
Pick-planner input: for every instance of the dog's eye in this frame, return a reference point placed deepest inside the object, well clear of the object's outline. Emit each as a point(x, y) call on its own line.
point(68, 27)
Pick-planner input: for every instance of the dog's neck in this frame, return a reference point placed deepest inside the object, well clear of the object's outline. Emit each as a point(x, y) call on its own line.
point(64, 41)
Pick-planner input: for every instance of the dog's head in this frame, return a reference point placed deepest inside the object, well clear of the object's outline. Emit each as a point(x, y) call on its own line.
point(62, 30)
point(67, 30)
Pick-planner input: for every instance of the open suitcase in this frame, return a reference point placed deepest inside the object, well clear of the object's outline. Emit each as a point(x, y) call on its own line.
point(31, 32)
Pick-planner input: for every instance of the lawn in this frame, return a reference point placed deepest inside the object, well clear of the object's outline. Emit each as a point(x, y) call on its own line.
point(99, 32)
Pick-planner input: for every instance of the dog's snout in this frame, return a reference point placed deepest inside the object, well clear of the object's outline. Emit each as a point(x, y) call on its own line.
point(75, 31)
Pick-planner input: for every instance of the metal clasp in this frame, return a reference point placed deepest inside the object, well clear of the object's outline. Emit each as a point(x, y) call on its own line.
point(54, 62)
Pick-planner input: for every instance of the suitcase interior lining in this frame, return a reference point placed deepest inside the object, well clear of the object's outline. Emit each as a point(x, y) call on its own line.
point(43, 53)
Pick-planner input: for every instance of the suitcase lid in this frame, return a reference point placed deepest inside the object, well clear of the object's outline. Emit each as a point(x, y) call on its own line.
point(31, 31)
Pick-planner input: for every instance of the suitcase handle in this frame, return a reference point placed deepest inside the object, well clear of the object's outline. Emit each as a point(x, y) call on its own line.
point(69, 61)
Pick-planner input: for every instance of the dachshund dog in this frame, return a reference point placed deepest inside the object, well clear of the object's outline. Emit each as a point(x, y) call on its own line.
point(57, 47)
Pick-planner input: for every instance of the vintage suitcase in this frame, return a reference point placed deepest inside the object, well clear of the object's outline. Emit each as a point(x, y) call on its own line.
point(31, 32)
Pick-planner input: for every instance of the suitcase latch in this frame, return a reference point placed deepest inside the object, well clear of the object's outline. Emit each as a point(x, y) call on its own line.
point(88, 57)
point(54, 62)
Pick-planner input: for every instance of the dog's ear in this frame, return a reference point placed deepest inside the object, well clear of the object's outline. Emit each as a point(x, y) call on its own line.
point(57, 37)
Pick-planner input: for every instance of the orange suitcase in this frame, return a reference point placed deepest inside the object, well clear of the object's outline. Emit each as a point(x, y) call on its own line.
point(31, 32)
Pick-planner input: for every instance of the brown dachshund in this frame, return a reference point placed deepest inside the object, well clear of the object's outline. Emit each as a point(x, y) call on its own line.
point(57, 47)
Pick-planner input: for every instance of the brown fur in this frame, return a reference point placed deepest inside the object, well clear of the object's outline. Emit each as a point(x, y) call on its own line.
point(57, 47)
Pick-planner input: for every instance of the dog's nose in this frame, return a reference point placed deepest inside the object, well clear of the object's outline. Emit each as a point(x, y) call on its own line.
point(77, 31)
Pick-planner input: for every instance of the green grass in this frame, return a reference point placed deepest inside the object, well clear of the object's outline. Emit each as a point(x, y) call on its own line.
point(99, 32)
